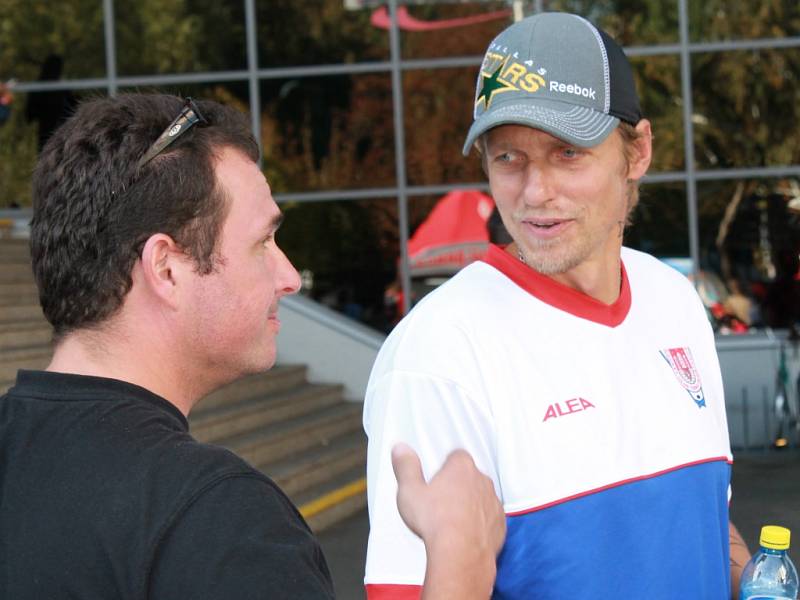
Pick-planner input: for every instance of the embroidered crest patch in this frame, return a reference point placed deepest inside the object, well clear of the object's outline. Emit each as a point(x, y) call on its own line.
point(682, 365)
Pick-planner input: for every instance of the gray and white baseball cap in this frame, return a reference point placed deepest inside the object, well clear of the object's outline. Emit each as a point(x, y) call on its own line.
point(559, 73)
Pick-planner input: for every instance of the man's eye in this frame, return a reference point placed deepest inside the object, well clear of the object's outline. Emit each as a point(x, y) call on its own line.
point(505, 157)
point(570, 152)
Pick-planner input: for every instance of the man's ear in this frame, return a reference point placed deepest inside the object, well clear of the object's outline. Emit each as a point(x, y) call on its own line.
point(164, 266)
point(644, 151)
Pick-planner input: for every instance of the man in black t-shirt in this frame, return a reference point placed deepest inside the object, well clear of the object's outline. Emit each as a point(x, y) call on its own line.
point(153, 247)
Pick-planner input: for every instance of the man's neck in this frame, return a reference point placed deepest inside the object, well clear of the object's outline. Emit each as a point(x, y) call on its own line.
point(93, 353)
point(598, 279)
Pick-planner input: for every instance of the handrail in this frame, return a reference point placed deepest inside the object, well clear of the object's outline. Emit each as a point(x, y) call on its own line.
point(335, 321)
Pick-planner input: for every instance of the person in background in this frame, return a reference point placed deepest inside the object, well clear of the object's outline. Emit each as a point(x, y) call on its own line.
point(6, 99)
point(49, 108)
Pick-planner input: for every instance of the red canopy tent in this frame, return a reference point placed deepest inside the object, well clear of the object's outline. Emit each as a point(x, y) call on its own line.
point(452, 236)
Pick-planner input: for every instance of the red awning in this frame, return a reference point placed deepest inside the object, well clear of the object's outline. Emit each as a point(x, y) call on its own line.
point(380, 18)
point(453, 235)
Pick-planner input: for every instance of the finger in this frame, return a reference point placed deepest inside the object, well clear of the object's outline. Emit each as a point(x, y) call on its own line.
point(462, 459)
point(406, 465)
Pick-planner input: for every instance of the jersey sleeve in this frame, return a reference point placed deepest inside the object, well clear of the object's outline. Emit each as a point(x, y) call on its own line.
point(240, 538)
point(435, 416)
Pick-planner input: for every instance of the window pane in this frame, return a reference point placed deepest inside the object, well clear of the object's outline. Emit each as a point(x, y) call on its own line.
point(179, 36)
point(658, 82)
point(451, 29)
point(71, 30)
point(629, 23)
point(438, 114)
point(660, 221)
point(17, 155)
point(292, 33)
point(32, 119)
point(749, 241)
point(346, 253)
point(328, 132)
point(712, 20)
point(746, 112)
point(231, 93)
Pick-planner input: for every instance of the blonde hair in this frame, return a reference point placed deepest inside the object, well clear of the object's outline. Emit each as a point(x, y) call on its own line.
point(630, 136)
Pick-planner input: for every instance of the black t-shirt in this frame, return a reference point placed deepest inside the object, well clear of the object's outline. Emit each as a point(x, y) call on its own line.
point(105, 495)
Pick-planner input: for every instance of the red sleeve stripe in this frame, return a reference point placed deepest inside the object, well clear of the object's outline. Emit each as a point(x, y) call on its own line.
point(393, 592)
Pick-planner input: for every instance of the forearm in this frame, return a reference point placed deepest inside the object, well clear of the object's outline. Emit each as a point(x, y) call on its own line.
point(740, 554)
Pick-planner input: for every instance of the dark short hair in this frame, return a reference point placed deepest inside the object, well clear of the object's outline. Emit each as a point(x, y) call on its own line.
point(94, 209)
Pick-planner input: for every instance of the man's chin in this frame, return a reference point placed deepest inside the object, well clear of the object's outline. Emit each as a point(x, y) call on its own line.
point(262, 365)
point(550, 263)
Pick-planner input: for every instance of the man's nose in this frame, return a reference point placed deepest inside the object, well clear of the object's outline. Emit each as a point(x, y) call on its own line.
point(538, 186)
point(287, 278)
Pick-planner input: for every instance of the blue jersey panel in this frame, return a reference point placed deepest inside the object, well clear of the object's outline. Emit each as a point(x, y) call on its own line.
point(660, 537)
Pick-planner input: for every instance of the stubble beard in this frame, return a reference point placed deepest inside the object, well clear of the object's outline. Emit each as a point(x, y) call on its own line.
point(560, 255)
point(553, 257)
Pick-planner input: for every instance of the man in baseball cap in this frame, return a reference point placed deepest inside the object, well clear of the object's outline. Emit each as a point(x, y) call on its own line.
point(581, 375)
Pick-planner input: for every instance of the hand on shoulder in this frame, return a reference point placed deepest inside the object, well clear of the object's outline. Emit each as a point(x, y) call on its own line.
point(459, 518)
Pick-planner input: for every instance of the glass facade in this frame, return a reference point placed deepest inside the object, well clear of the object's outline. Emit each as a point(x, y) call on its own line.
point(361, 121)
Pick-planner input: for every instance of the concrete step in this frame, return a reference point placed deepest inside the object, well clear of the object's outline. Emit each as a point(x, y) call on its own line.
point(20, 312)
point(31, 299)
point(277, 441)
point(26, 358)
point(278, 379)
point(18, 293)
point(231, 420)
point(14, 250)
point(303, 471)
point(339, 498)
point(25, 334)
point(16, 272)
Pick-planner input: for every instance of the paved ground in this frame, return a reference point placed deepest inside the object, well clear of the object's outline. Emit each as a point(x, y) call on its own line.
point(766, 490)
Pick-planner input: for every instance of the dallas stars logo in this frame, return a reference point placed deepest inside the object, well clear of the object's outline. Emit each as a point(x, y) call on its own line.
point(492, 84)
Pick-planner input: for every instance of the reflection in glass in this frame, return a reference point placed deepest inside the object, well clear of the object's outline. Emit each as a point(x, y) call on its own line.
point(292, 33)
point(19, 141)
point(746, 108)
point(446, 233)
point(31, 31)
point(450, 29)
point(346, 253)
point(438, 114)
point(629, 23)
point(660, 221)
point(714, 20)
point(658, 82)
point(328, 132)
point(750, 240)
point(231, 93)
point(17, 155)
point(50, 108)
point(179, 37)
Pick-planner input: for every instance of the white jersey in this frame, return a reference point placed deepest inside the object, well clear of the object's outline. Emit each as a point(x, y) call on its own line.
point(602, 427)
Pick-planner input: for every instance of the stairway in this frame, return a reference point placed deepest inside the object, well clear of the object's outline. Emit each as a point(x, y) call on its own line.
point(304, 436)
point(24, 334)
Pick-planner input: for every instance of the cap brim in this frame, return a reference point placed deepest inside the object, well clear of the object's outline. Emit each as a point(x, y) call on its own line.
point(575, 125)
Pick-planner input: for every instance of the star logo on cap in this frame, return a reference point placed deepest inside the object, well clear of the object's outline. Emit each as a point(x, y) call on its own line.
point(492, 84)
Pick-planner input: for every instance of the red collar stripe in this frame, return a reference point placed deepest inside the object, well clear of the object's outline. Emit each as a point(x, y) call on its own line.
point(559, 295)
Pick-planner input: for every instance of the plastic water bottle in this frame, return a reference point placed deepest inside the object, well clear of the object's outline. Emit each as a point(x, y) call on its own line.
point(770, 575)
